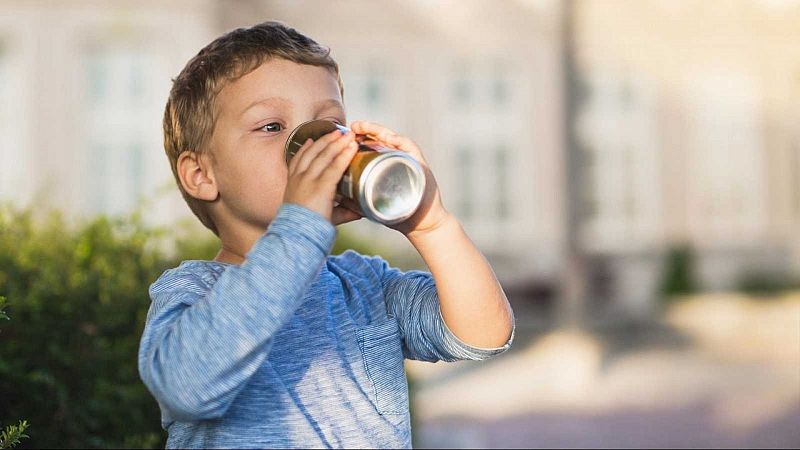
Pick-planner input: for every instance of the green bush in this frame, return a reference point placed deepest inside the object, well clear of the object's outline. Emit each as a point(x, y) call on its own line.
point(78, 296)
point(12, 434)
point(679, 274)
point(762, 284)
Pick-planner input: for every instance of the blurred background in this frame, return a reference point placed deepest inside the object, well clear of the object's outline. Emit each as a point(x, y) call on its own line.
point(630, 168)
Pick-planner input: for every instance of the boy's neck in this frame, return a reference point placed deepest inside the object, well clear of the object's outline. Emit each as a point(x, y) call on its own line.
point(236, 242)
point(226, 256)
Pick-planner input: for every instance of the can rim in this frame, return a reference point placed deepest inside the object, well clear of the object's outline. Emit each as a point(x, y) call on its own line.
point(292, 135)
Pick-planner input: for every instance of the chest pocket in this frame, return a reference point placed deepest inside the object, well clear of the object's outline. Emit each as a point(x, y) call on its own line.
point(383, 358)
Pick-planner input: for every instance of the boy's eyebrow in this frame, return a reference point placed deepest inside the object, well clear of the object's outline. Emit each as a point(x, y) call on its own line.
point(278, 101)
point(282, 101)
point(329, 102)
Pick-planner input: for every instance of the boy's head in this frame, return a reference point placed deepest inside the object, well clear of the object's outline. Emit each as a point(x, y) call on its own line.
point(229, 112)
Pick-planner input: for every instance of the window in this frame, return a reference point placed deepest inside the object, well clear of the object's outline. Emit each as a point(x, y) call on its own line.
point(466, 178)
point(502, 192)
point(629, 175)
point(462, 95)
point(727, 179)
point(97, 78)
point(117, 100)
point(500, 89)
point(99, 178)
point(373, 91)
point(17, 177)
point(136, 165)
point(794, 145)
point(621, 185)
point(794, 155)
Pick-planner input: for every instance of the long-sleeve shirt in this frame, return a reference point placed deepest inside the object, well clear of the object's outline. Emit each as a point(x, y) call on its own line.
point(292, 348)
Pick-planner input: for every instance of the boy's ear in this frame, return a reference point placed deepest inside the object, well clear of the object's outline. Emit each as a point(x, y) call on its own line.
point(197, 176)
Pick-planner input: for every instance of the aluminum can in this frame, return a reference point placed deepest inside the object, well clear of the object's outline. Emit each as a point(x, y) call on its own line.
point(382, 184)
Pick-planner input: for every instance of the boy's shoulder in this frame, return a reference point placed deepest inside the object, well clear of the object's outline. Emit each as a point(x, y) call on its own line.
point(195, 277)
point(191, 276)
point(356, 264)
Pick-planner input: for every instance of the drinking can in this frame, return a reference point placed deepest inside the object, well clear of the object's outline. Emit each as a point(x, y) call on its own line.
point(382, 184)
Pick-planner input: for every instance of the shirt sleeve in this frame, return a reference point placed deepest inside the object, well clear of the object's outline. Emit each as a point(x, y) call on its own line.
point(412, 299)
point(200, 346)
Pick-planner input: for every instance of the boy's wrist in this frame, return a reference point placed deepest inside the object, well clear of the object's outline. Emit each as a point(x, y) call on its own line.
point(446, 226)
point(299, 220)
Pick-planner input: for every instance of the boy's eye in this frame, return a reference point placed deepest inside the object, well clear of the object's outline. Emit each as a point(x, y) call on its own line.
point(272, 127)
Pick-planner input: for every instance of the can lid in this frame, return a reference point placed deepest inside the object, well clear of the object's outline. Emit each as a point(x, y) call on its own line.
point(394, 188)
point(313, 129)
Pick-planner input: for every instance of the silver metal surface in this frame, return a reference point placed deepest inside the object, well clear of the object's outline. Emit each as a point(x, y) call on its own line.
point(392, 187)
point(383, 184)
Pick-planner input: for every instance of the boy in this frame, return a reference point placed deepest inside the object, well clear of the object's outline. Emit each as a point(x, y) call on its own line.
point(275, 344)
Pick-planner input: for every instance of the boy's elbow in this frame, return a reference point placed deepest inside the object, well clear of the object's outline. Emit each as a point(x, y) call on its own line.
point(183, 402)
point(187, 405)
point(184, 410)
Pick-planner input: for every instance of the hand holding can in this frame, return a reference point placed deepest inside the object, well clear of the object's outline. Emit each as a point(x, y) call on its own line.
point(314, 173)
point(380, 183)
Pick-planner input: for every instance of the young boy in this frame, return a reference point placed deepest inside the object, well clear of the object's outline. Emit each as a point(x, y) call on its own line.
point(274, 343)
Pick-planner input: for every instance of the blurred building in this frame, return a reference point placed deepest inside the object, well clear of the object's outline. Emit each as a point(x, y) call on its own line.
point(687, 121)
point(478, 86)
point(689, 133)
point(82, 91)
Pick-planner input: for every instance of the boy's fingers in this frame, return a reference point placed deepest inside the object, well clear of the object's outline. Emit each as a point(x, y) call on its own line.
point(293, 161)
point(333, 170)
point(375, 129)
point(324, 158)
point(305, 159)
point(379, 133)
point(308, 155)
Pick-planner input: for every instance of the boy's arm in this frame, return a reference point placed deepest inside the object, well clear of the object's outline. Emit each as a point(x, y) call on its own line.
point(473, 304)
point(411, 298)
point(199, 348)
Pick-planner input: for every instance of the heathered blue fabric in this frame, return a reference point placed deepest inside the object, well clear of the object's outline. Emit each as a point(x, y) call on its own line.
point(293, 348)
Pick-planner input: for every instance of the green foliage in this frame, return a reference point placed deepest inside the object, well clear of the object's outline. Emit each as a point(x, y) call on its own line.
point(78, 296)
point(679, 276)
point(765, 284)
point(3, 314)
point(346, 239)
point(11, 436)
point(196, 244)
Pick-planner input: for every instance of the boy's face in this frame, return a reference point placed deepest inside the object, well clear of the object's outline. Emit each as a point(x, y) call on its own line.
point(255, 115)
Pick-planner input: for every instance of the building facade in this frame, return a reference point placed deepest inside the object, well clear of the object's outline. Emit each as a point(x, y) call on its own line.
point(688, 121)
point(689, 127)
point(84, 85)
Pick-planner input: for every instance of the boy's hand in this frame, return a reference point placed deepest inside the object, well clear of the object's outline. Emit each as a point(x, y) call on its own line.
point(315, 171)
point(431, 213)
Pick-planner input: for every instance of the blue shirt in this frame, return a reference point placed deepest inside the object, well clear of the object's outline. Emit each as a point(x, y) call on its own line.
point(293, 348)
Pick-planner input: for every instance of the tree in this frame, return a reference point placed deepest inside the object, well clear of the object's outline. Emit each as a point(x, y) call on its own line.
point(679, 276)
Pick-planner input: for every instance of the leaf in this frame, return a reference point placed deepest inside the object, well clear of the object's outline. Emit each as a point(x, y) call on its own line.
point(11, 436)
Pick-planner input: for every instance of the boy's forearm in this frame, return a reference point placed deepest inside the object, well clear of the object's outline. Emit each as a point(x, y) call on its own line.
point(473, 304)
point(196, 359)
